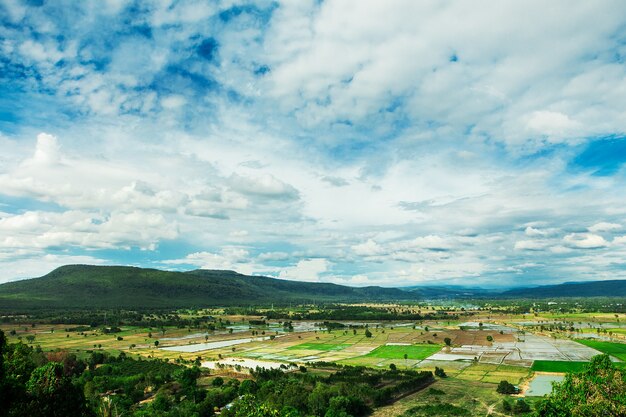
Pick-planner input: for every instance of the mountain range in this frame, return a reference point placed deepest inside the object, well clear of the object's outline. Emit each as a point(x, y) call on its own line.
point(87, 286)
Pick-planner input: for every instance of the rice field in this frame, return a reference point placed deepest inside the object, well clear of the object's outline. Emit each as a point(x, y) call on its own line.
point(617, 350)
point(325, 347)
point(413, 352)
point(558, 366)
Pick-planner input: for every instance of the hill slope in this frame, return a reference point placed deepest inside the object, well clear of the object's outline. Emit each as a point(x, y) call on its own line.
point(84, 286)
point(612, 288)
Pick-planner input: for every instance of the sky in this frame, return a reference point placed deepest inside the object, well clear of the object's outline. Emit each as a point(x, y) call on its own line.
point(394, 143)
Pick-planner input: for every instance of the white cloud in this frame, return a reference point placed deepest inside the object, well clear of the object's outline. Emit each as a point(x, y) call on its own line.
point(40, 264)
point(306, 270)
point(173, 102)
point(368, 248)
point(604, 227)
point(585, 241)
point(273, 256)
point(555, 125)
point(265, 185)
point(47, 150)
point(229, 258)
point(619, 240)
point(531, 231)
point(533, 245)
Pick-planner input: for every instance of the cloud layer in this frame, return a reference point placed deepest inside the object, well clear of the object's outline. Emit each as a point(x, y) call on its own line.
point(357, 142)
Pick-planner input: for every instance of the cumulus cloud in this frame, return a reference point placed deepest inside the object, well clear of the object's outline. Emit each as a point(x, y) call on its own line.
point(585, 241)
point(556, 126)
point(230, 258)
point(534, 245)
point(306, 270)
point(604, 227)
point(265, 185)
point(47, 150)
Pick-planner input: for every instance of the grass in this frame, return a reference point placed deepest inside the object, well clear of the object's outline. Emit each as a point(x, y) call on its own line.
point(614, 349)
point(414, 352)
point(558, 366)
point(448, 397)
point(326, 347)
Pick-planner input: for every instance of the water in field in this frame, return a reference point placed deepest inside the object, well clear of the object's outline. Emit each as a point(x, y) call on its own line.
point(541, 385)
point(188, 336)
point(197, 347)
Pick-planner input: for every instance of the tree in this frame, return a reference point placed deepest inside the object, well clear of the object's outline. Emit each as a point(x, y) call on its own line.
point(393, 366)
point(156, 343)
point(505, 387)
point(440, 372)
point(489, 338)
point(596, 391)
point(520, 406)
point(54, 394)
point(506, 405)
point(368, 333)
point(447, 341)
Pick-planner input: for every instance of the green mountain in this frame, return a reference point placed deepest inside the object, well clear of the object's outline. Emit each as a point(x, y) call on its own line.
point(610, 288)
point(85, 286)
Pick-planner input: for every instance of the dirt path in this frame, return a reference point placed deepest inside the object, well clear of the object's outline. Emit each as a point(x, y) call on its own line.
point(491, 409)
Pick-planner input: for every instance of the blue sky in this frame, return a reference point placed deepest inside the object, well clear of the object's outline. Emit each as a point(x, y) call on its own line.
point(364, 143)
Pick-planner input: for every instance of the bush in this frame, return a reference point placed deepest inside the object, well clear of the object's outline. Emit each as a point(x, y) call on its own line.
point(520, 406)
point(440, 372)
point(435, 391)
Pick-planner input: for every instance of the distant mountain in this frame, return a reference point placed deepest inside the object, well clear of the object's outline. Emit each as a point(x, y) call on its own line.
point(612, 288)
point(449, 291)
point(85, 286)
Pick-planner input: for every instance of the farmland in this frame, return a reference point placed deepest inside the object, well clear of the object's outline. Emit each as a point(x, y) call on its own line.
point(617, 350)
point(558, 366)
point(478, 352)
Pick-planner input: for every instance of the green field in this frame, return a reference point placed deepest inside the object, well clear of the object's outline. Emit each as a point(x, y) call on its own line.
point(415, 352)
point(614, 349)
point(326, 347)
point(558, 366)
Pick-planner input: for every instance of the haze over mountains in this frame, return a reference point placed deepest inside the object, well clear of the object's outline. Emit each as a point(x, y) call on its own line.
point(85, 286)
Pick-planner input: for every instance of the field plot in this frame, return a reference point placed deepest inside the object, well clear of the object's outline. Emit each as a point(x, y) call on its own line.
point(493, 373)
point(326, 347)
point(520, 352)
point(536, 347)
point(413, 352)
point(558, 366)
point(617, 350)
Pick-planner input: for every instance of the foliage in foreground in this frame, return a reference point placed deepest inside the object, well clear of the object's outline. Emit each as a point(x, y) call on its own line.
point(38, 384)
point(599, 390)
